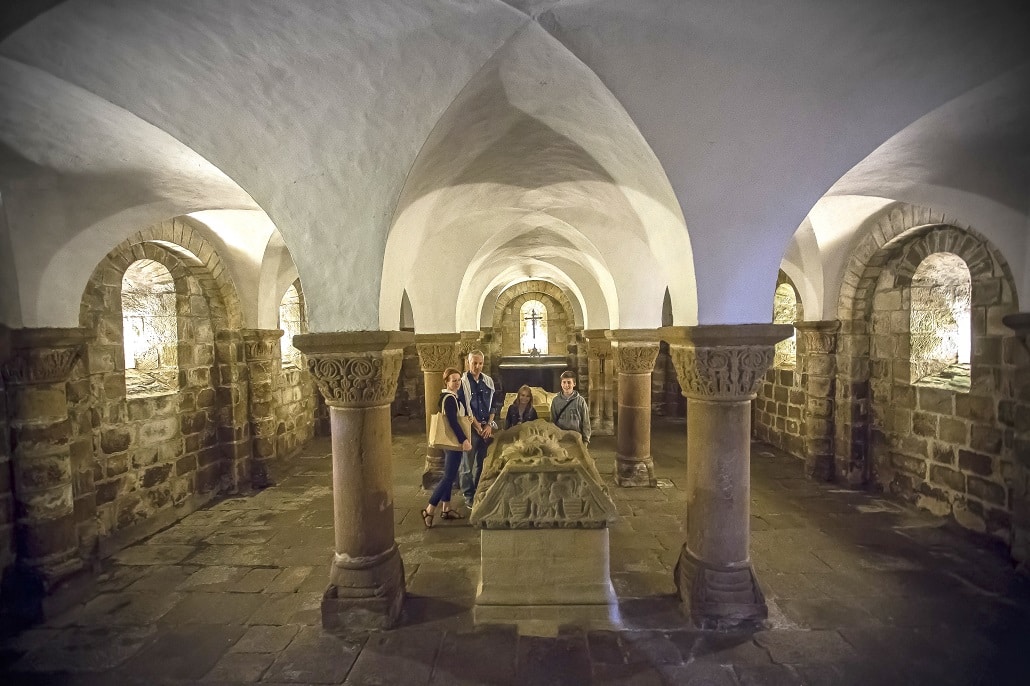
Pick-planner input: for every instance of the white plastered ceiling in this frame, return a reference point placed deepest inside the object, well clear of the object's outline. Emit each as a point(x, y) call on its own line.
point(573, 141)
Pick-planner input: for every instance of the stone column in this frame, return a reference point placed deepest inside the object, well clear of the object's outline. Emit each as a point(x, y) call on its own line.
point(35, 374)
point(357, 373)
point(635, 352)
point(719, 369)
point(231, 395)
point(599, 384)
point(264, 366)
point(436, 352)
point(818, 352)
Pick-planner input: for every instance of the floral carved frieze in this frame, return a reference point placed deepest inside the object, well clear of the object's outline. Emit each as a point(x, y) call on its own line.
point(358, 380)
point(436, 357)
point(723, 373)
point(541, 477)
point(40, 365)
point(635, 358)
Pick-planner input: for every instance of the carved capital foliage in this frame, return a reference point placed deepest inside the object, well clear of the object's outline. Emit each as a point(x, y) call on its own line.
point(357, 380)
point(722, 373)
point(40, 365)
point(819, 337)
point(436, 357)
point(599, 348)
point(635, 358)
point(261, 344)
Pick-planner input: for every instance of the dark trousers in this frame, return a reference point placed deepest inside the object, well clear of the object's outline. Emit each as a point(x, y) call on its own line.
point(451, 460)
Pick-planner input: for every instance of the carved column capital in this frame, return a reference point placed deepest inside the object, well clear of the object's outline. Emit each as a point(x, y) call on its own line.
point(41, 356)
point(1020, 323)
point(635, 350)
point(437, 352)
point(819, 336)
point(260, 344)
point(723, 362)
point(635, 358)
point(355, 369)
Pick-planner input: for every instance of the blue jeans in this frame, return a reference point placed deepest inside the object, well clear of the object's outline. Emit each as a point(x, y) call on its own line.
point(451, 458)
point(472, 467)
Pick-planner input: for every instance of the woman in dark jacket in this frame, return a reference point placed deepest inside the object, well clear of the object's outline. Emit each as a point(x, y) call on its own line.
point(450, 407)
point(522, 409)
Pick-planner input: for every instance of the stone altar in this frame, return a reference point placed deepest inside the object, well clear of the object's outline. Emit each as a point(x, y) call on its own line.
point(543, 514)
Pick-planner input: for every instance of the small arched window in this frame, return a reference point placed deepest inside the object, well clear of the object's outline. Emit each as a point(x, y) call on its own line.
point(940, 322)
point(785, 311)
point(533, 328)
point(290, 321)
point(150, 329)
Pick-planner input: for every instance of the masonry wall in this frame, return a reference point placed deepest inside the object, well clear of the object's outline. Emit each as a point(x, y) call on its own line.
point(778, 409)
point(952, 450)
point(667, 398)
point(149, 453)
point(559, 324)
point(295, 412)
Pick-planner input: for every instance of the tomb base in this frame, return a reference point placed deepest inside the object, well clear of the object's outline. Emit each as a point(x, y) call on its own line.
point(541, 579)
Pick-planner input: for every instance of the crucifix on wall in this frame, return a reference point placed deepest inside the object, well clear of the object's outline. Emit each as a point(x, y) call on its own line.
point(532, 318)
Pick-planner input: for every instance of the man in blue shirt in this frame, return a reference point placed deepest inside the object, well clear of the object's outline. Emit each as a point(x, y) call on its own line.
point(482, 402)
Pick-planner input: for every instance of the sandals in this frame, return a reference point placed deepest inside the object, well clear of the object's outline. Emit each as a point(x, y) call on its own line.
point(451, 514)
point(427, 519)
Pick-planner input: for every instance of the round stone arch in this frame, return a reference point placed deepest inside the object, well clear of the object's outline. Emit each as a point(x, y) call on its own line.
point(561, 321)
point(786, 351)
point(873, 395)
point(181, 456)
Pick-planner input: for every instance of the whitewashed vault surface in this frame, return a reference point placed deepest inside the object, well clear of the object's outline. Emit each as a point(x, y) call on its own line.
point(445, 150)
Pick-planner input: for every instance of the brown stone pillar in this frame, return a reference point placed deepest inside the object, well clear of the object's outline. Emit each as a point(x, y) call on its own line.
point(719, 369)
point(35, 374)
point(818, 353)
point(231, 394)
point(635, 352)
point(357, 373)
point(599, 385)
point(264, 367)
point(436, 352)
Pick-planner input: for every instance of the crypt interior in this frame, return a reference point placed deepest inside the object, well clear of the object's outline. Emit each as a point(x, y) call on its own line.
point(235, 237)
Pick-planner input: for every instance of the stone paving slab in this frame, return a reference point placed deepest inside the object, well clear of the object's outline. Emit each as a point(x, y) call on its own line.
point(861, 590)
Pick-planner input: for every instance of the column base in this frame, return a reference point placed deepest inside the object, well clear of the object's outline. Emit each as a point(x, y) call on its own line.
point(364, 598)
point(633, 473)
point(603, 430)
point(432, 472)
point(719, 598)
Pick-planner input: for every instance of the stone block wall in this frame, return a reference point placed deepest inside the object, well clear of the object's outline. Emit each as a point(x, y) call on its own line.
point(778, 410)
point(507, 318)
point(667, 398)
point(952, 450)
point(410, 399)
point(295, 410)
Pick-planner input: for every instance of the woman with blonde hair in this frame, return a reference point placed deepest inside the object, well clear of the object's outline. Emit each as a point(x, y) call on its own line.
point(522, 409)
point(450, 408)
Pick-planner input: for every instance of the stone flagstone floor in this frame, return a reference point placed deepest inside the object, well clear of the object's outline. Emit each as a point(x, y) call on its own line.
point(861, 590)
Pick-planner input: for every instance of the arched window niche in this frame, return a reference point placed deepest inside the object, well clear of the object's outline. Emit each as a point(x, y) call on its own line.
point(785, 311)
point(940, 326)
point(150, 330)
point(291, 316)
point(533, 328)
